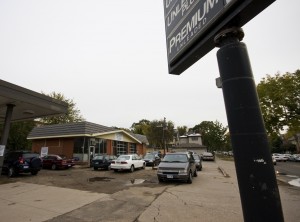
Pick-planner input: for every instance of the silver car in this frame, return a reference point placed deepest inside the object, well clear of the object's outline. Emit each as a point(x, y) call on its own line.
point(177, 166)
point(208, 156)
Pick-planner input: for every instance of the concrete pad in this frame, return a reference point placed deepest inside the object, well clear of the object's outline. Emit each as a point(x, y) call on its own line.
point(31, 202)
point(215, 198)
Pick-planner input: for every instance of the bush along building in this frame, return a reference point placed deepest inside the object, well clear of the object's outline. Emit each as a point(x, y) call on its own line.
point(83, 140)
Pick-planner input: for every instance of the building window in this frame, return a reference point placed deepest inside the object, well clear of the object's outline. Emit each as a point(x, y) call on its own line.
point(100, 146)
point(120, 147)
point(80, 145)
point(194, 138)
point(132, 148)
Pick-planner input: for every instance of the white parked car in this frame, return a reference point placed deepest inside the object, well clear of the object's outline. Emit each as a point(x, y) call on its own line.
point(128, 162)
point(208, 156)
point(295, 158)
point(274, 160)
point(279, 157)
point(287, 156)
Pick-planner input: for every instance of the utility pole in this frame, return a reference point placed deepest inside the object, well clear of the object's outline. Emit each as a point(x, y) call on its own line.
point(164, 141)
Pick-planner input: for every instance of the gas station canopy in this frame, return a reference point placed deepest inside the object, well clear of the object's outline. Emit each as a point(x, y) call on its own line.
point(27, 104)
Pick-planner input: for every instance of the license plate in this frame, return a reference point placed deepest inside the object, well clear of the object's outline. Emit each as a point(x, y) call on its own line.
point(25, 167)
point(96, 162)
point(169, 176)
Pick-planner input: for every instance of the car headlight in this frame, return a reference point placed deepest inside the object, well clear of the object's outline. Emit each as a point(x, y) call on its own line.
point(159, 170)
point(183, 171)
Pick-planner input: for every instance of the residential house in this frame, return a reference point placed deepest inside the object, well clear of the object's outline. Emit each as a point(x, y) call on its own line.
point(191, 141)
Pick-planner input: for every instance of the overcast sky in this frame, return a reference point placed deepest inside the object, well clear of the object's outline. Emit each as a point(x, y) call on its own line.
point(110, 58)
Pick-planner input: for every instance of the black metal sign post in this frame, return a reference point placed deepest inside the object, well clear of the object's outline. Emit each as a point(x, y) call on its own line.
point(255, 171)
point(193, 28)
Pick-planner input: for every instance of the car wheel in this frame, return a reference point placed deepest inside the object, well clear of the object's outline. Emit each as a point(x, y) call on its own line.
point(195, 173)
point(115, 170)
point(11, 172)
point(190, 179)
point(95, 168)
point(35, 162)
point(144, 166)
point(160, 180)
point(34, 172)
point(131, 168)
point(53, 167)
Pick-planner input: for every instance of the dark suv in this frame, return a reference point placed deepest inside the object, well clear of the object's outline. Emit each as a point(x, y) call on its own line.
point(102, 161)
point(16, 162)
point(177, 166)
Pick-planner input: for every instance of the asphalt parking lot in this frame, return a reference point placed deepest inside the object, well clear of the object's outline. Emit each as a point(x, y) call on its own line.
point(84, 178)
point(82, 194)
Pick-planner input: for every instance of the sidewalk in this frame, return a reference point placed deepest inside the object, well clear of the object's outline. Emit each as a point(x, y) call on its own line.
point(214, 199)
point(31, 202)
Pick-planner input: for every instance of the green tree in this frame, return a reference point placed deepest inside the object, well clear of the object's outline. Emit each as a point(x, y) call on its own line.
point(159, 132)
point(280, 101)
point(182, 130)
point(276, 143)
point(213, 134)
point(17, 139)
point(228, 145)
point(141, 127)
point(72, 115)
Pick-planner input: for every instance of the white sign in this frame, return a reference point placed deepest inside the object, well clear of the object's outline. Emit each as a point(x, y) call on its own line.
point(119, 136)
point(44, 151)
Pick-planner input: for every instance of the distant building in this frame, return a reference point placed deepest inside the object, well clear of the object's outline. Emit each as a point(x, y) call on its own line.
point(85, 139)
point(190, 141)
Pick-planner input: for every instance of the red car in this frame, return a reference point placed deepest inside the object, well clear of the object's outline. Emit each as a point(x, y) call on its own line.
point(57, 162)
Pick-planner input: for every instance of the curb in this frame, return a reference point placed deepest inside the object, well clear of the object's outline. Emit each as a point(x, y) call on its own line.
point(223, 172)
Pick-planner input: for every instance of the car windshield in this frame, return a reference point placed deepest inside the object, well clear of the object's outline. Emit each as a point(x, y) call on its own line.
point(175, 158)
point(124, 157)
point(149, 156)
point(98, 158)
